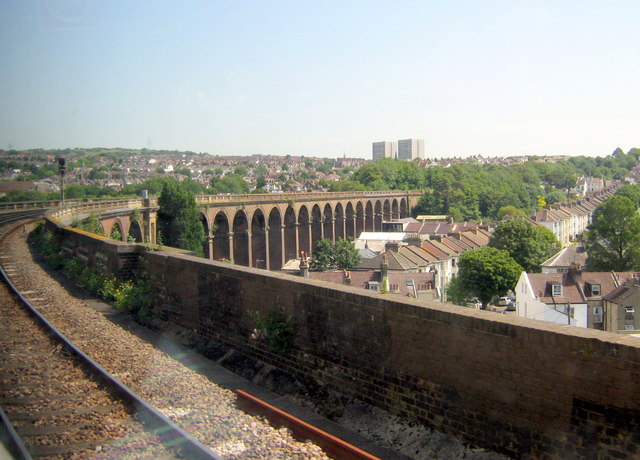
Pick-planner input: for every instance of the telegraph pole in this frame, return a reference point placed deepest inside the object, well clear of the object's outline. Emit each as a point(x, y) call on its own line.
point(62, 167)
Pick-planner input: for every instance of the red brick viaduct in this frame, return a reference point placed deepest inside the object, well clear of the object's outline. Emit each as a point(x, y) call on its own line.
point(264, 231)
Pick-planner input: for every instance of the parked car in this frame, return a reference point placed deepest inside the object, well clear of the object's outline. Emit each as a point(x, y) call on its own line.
point(475, 303)
point(503, 301)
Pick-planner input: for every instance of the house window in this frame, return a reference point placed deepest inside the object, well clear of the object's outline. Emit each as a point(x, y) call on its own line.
point(629, 327)
point(597, 314)
point(556, 290)
point(373, 286)
point(629, 313)
point(595, 289)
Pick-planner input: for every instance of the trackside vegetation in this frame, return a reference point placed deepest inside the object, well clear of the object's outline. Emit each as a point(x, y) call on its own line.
point(128, 295)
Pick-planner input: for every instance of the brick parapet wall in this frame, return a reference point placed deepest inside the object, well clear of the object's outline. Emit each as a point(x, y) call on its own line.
point(518, 386)
point(103, 254)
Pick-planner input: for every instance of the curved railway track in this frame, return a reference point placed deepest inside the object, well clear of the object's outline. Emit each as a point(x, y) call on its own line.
point(64, 404)
point(61, 403)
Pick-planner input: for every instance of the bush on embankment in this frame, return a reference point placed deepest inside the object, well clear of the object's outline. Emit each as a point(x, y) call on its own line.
point(128, 295)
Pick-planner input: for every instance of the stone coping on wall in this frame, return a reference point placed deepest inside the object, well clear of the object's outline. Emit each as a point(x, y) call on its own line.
point(437, 311)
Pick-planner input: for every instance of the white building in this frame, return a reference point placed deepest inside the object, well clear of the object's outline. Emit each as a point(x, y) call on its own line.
point(550, 298)
point(383, 149)
point(574, 298)
point(410, 149)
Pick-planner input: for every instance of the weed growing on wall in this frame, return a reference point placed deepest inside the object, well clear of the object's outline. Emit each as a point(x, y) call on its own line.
point(47, 246)
point(90, 224)
point(130, 296)
point(276, 330)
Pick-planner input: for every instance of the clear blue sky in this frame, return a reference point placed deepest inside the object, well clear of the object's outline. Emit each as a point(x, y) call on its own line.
point(321, 77)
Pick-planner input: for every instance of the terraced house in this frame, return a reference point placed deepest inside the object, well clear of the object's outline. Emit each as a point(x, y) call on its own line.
point(568, 220)
point(598, 300)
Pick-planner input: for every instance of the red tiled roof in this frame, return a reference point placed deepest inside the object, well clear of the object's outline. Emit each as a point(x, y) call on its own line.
point(360, 279)
point(574, 288)
point(435, 251)
point(16, 186)
point(420, 253)
point(444, 248)
point(542, 287)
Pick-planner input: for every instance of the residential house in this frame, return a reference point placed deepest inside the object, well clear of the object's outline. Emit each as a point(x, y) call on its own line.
point(568, 220)
point(560, 262)
point(385, 277)
point(622, 308)
point(376, 241)
point(575, 297)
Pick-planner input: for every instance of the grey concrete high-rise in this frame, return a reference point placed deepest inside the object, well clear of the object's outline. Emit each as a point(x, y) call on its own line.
point(410, 149)
point(383, 149)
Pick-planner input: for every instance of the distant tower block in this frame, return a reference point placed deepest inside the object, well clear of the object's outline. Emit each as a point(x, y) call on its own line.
point(410, 149)
point(383, 149)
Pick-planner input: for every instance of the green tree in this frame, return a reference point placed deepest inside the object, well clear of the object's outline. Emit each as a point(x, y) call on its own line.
point(613, 237)
point(240, 171)
point(260, 170)
point(328, 255)
point(231, 183)
point(510, 211)
point(346, 254)
point(192, 186)
point(456, 293)
point(90, 224)
point(28, 195)
point(487, 272)
point(528, 244)
point(115, 233)
point(179, 218)
point(346, 186)
point(631, 191)
point(261, 182)
point(555, 196)
point(95, 174)
point(322, 256)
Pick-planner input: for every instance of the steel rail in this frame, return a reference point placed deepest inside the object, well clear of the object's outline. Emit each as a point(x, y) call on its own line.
point(332, 445)
point(172, 436)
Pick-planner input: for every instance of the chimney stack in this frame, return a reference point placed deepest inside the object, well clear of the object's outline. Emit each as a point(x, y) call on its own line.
point(575, 273)
point(393, 246)
point(304, 265)
point(384, 268)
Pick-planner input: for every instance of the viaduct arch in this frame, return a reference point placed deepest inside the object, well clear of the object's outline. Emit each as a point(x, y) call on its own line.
point(265, 231)
point(260, 231)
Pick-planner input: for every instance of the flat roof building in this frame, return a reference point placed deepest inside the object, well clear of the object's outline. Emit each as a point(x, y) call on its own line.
point(383, 149)
point(410, 149)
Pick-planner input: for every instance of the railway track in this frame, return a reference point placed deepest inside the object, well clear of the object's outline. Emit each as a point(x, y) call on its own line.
point(64, 405)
